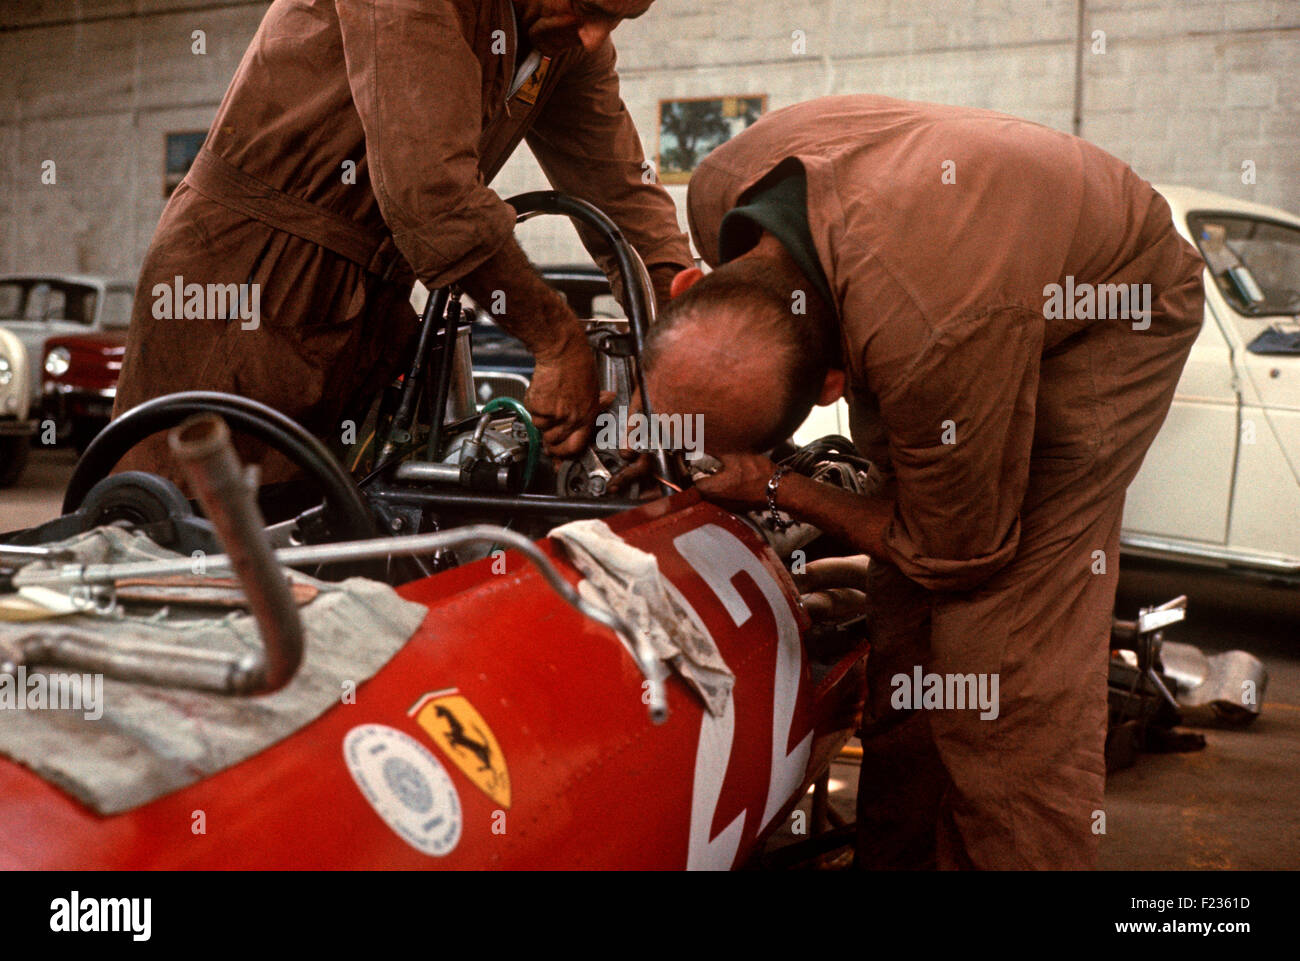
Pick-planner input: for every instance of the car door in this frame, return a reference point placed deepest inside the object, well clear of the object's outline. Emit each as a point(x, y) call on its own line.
point(1254, 287)
point(1184, 489)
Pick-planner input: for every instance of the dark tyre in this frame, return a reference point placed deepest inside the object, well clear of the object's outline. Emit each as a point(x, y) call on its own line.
point(14, 452)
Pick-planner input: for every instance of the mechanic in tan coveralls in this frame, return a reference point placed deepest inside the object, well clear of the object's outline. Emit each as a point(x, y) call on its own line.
point(349, 157)
point(924, 240)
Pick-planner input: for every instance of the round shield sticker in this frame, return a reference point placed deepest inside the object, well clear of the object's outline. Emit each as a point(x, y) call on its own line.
point(406, 785)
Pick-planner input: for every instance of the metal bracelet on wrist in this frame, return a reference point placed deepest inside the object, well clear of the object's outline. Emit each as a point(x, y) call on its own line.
point(775, 520)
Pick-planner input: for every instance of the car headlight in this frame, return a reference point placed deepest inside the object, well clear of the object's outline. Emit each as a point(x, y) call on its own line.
point(6, 371)
point(57, 361)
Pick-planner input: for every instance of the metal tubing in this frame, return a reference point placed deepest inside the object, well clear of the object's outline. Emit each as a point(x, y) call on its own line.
point(201, 445)
point(527, 504)
point(132, 660)
point(399, 430)
point(17, 553)
point(446, 369)
point(426, 472)
point(377, 550)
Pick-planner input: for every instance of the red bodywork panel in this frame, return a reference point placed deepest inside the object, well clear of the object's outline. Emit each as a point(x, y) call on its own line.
point(592, 782)
point(94, 363)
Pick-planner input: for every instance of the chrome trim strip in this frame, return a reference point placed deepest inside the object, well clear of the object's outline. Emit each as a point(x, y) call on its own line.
point(1163, 547)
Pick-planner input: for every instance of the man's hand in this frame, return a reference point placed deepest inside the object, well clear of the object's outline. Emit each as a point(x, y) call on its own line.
point(639, 464)
point(857, 519)
point(742, 480)
point(834, 588)
point(562, 396)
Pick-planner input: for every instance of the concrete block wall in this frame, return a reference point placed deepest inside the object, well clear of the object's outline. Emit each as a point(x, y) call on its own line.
point(1189, 89)
point(1185, 91)
point(96, 86)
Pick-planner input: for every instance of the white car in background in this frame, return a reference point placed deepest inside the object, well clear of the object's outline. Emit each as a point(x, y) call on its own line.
point(1220, 485)
point(35, 307)
point(17, 425)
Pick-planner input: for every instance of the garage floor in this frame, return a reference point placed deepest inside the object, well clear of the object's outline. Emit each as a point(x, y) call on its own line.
point(1236, 804)
point(1233, 805)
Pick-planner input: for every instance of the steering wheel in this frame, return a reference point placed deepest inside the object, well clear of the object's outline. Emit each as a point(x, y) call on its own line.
point(343, 512)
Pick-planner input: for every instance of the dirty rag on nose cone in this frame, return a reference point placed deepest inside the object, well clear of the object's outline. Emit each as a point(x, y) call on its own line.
point(154, 739)
point(627, 580)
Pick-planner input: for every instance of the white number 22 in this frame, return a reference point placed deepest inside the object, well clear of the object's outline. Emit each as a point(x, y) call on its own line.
point(718, 556)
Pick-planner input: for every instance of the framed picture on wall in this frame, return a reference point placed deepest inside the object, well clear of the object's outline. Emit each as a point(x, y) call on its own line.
point(181, 150)
point(690, 128)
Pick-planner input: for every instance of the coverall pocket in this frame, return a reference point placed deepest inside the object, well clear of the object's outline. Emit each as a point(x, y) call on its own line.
point(1067, 418)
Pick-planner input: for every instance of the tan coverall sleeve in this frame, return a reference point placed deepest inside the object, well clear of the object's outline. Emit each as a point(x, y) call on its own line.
point(958, 405)
point(416, 84)
point(587, 145)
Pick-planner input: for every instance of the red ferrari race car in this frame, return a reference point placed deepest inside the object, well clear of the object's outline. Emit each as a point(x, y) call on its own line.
point(465, 656)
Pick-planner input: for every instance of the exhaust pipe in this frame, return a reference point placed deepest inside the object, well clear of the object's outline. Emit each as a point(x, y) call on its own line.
point(201, 445)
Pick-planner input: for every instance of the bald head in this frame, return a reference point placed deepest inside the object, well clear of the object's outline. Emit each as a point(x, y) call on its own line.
point(707, 366)
point(732, 350)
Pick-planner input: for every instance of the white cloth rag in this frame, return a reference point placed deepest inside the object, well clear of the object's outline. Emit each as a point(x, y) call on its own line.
point(627, 580)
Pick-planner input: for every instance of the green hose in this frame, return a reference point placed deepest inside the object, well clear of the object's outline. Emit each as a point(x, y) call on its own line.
point(534, 435)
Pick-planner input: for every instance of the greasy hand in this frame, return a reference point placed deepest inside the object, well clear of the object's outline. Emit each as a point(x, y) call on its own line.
point(838, 604)
point(563, 399)
point(833, 588)
point(639, 467)
point(639, 463)
point(742, 480)
point(833, 573)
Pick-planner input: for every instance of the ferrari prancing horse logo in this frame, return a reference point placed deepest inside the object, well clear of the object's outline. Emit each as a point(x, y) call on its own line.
point(453, 724)
point(530, 89)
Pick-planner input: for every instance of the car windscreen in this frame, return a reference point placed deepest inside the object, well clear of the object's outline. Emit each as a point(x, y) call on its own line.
point(117, 308)
point(1255, 263)
point(47, 300)
point(13, 300)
